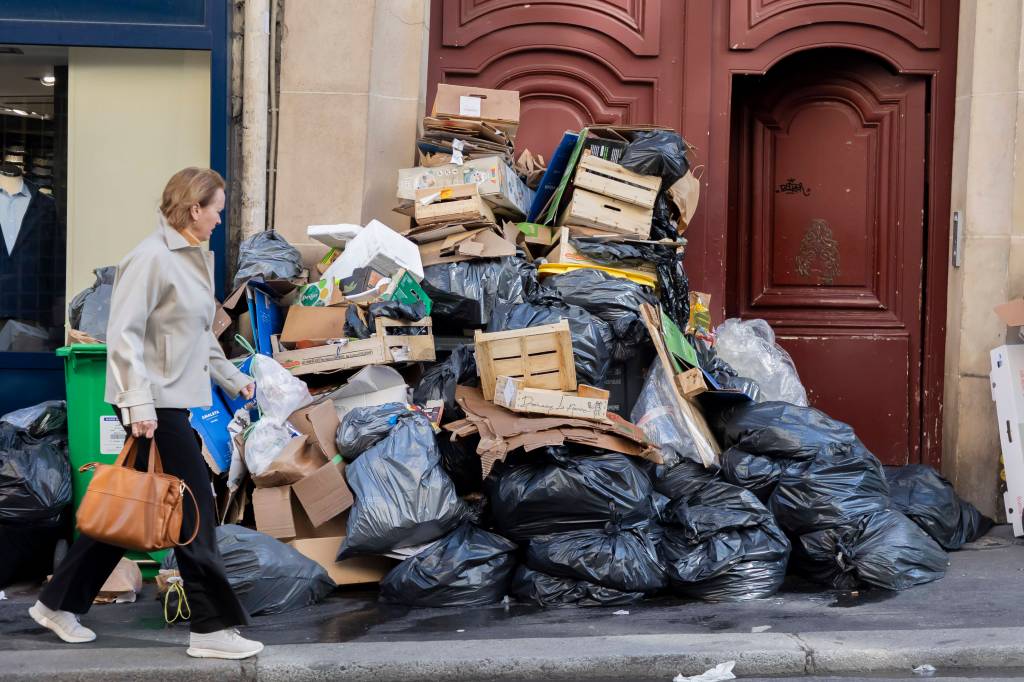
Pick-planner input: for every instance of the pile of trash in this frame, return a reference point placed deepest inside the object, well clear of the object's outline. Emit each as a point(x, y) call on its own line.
point(518, 396)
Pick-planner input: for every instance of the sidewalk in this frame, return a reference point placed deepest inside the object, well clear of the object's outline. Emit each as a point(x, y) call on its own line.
point(969, 620)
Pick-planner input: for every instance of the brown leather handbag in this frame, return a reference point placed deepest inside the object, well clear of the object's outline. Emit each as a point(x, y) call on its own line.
point(137, 510)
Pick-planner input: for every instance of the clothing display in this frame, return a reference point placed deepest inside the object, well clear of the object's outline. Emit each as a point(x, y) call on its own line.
point(31, 258)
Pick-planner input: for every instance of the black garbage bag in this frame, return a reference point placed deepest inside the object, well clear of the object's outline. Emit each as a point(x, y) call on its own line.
point(722, 372)
point(35, 477)
point(683, 479)
point(592, 337)
point(267, 575)
point(885, 549)
point(267, 255)
point(362, 427)
point(620, 558)
point(833, 489)
point(539, 588)
point(613, 299)
point(356, 328)
point(555, 491)
point(440, 380)
point(464, 294)
point(460, 461)
point(722, 544)
point(403, 496)
point(657, 152)
point(89, 310)
point(467, 567)
point(757, 474)
point(40, 420)
point(928, 499)
point(664, 219)
point(778, 429)
point(672, 280)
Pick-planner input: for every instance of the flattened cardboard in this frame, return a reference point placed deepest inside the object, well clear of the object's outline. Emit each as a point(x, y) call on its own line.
point(355, 571)
point(315, 325)
point(456, 248)
point(324, 494)
point(370, 386)
point(318, 422)
point(586, 403)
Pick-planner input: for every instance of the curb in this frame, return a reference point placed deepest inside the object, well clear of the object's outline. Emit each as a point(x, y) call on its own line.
point(644, 656)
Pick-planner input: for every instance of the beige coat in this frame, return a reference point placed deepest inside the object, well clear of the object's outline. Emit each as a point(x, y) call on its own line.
point(160, 350)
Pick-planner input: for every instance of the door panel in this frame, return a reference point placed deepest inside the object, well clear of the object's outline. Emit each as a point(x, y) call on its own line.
point(830, 235)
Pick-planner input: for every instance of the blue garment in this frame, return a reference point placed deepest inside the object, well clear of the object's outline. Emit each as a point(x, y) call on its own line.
point(12, 213)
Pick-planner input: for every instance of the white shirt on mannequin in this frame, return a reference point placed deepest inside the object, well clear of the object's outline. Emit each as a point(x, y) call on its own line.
point(14, 201)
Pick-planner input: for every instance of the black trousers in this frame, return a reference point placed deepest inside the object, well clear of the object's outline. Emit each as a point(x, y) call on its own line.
point(89, 563)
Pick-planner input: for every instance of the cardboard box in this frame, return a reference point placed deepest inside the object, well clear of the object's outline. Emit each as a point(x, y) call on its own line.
point(354, 571)
point(691, 383)
point(586, 403)
point(279, 514)
point(483, 243)
point(312, 326)
point(499, 106)
point(324, 494)
point(455, 204)
point(540, 235)
point(319, 422)
point(496, 182)
point(370, 386)
point(380, 349)
point(594, 210)
point(565, 252)
point(299, 458)
point(599, 176)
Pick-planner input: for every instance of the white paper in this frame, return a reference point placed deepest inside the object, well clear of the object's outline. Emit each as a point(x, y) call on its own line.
point(722, 671)
point(470, 106)
point(111, 435)
point(457, 147)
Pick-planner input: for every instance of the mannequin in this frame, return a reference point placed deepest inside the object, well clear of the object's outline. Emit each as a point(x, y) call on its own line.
point(11, 180)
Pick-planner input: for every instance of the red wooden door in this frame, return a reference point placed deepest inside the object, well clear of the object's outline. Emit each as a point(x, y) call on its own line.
point(830, 225)
point(574, 62)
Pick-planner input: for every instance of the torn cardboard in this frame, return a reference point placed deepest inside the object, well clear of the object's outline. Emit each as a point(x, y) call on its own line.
point(483, 243)
point(319, 423)
point(586, 403)
point(355, 571)
point(280, 515)
point(307, 327)
point(370, 386)
point(298, 459)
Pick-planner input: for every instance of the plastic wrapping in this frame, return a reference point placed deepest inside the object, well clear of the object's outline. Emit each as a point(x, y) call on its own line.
point(439, 382)
point(613, 299)
point(267, 575)
point(555, 491)
point(928, 499)
point(591, 336)
point(464, 294)
point(749, 347)
point(722, 544)
point(657, 152)
point(468, 567)
point(757, 474)
point(362, 427)
point(278, 394)
point(678, 436)
point(269, 256)
point(90, 308)
point(664, 219)
point(885, 549)
point(622, 559)
point(35, 478)
point(548, 590)
point(40, 420)
point(402, 495)
point(722, 371)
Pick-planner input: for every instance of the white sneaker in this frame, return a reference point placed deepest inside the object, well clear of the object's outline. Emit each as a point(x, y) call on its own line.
point(222, 644)
point(64, 623)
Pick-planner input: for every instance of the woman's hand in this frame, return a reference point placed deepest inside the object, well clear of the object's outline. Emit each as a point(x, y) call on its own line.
point(144, 429)
point(249, 391)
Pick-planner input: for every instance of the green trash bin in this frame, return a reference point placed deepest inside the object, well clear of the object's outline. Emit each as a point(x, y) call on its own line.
point(94, 432)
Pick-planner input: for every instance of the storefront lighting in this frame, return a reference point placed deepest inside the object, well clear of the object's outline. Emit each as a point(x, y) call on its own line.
point(48, 81)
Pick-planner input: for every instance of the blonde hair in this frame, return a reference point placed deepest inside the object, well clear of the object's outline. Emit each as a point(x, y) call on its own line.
point(185, 189)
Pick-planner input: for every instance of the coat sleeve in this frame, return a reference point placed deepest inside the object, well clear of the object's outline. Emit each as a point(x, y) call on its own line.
point(223, 371)
point(132, 301)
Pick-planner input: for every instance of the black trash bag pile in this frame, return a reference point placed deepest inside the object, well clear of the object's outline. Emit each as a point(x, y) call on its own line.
point(561, 489)
point(362, 427)
point(929, 500)
point(35, 477)
point(40, 420)
point(440, 380)
point(657, 152)
point(613, 299)
point(267, 575)
point(403, 497)
point(623, 559)
point(829, 495)
point(465, 294)
point(460, 461)
point(467, 567)
point(721, 544)
point(89, 310)
point(592, 337)
point(548, 590)
point(268, 256)
point(357, 328)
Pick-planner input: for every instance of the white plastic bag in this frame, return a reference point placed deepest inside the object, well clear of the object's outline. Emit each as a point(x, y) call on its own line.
point(749, 346)
point(265, 442)
point(278, 393)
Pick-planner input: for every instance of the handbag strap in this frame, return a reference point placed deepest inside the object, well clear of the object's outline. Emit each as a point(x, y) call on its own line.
point(195, 531)
point(130, 450)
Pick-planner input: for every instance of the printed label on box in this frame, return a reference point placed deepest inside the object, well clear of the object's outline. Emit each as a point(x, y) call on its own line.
point(111, 435)
point(469, 106)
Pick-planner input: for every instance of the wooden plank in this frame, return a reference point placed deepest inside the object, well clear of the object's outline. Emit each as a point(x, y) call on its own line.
point(491, 337)
point(456, 203)
point(587, 209)
point(512, 348)
point(525, 366)
point(612, 180)
point(552, 380)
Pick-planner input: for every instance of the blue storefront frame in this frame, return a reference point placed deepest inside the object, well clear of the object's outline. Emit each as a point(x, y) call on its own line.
point(30, 378)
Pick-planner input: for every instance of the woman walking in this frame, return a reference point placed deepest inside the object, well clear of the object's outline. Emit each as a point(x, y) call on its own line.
point(161, 356)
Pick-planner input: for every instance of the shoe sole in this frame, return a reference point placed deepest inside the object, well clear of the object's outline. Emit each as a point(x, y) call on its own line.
point(214, 653)
point(56, 629)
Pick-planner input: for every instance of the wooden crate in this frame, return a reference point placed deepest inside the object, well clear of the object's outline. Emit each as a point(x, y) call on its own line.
point(454, 204)
point(380, 349)
point(612, 180)
point(587, 209)
point(540, 356)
